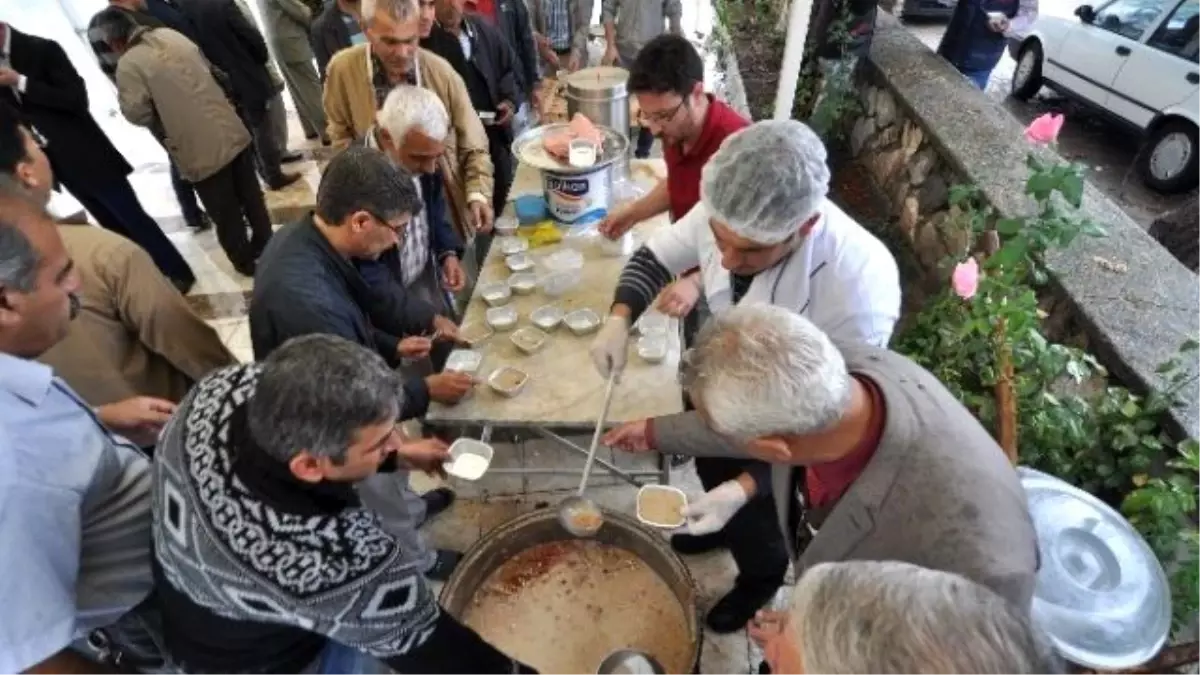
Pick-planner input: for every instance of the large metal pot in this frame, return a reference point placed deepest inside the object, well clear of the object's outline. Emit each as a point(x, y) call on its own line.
point(542, 527)
point(601, 95)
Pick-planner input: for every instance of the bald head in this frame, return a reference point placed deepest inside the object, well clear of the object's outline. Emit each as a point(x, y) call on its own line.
point(37, 278)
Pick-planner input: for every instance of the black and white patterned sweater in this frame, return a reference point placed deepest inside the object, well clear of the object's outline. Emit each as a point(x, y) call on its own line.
point(256, 570)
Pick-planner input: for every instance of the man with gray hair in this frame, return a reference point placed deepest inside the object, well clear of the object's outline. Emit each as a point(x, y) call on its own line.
point(762, 232)
point(893, 617)
point(267, 562)
point(871, 458)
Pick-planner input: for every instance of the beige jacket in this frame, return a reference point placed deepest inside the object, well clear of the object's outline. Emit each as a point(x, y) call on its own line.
point(350, 111)
point(939, 491)
point(135, 334)
point(164, 83)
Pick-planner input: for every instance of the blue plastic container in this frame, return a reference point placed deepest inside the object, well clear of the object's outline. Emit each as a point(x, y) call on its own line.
point(530, 209)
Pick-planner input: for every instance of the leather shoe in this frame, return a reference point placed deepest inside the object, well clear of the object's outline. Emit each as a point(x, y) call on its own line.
point(690, 544)
point(444, 564)
point(290, 156)
point(285, 179)
point(437, 500)
point(732, 612)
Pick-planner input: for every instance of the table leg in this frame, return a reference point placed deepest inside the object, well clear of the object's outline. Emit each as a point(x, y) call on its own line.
point(626, 476)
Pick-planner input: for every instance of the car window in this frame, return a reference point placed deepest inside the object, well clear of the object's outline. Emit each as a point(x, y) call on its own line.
point(1129, 18)
point(1178, 34)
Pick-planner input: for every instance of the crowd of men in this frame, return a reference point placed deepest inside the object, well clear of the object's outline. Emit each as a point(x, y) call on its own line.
point(168, 508)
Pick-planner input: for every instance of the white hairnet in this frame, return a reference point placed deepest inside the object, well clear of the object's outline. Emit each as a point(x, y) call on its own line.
point(766, 180)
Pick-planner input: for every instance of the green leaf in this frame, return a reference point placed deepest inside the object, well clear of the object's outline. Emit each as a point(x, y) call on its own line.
point(1189, 345)
point(1131, 409)
point(1009, 226)
point(1072, 189)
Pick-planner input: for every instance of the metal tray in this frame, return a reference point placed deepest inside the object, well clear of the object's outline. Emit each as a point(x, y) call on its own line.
point(498, 384)
point(529, 339)
point(528, 149)
point(546, 317)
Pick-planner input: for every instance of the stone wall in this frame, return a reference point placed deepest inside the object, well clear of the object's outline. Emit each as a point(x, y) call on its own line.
point(922, 129)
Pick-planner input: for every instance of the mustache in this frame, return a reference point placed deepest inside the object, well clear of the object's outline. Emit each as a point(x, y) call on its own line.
point(75, 304)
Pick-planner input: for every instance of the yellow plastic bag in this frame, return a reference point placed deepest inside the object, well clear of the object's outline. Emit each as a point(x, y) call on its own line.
point(542, 234)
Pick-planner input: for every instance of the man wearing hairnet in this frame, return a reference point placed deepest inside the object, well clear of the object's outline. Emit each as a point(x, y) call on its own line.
point(763, 232)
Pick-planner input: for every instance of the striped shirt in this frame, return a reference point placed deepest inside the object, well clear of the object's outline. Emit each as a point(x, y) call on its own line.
point(558, 24)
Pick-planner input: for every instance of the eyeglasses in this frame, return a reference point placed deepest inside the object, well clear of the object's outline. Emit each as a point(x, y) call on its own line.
point(38, 138)
point(397, 228)
point(661, 117)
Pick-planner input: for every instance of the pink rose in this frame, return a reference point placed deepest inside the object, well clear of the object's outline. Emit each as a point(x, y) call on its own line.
point(965, 280)
point(1044, 130)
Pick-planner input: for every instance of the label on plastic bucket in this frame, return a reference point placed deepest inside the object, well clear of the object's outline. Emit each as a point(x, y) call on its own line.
point(578, 199)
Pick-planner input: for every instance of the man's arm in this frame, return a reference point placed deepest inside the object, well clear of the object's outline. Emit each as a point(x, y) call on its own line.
point(162, 319)
point(443, 240)
point(580, 12)
point(670, 251)
point(133, 96)
point(62, 89)
point(527, 54)
point(506, 86)
point(609, 10)
point(474, 160)
point(41, 532)
point(297, 11)
point(241, 24)
point(339, 123)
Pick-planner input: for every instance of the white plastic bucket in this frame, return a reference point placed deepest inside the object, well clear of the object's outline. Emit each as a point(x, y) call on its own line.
point(578, 198)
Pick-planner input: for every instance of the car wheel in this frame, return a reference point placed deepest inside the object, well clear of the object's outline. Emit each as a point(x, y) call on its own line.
point(1027, 77)
point(1168, 159)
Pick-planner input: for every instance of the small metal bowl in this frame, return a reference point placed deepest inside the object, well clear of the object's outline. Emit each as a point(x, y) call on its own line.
point(464, 361)
point(652, 348)
point(529, 339)
point(519, 262)
point(546, 317)
point(501, 318)
point(582, 321)
point(474, 334)
point(508, 381)
point(512, 245)
point(523, 283)
point(506, 226)
point(496, 293)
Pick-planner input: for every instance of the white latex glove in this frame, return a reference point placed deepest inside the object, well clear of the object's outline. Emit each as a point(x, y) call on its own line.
point(608, 349)
point(715, 508)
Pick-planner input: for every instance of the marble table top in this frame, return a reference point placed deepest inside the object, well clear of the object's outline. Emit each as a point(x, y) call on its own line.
point(564, 389)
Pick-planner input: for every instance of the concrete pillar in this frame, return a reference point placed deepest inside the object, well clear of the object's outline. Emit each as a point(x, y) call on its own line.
point(799, 14)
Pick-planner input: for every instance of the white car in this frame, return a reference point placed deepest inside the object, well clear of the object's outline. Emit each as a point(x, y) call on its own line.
point(1136, 61)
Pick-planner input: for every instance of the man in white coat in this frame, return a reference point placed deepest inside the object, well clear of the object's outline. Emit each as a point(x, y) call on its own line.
point(763, 232)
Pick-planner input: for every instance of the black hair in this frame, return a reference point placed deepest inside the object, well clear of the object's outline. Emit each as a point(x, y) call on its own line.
point(666, 64)
point(12, 140)
point(112, 23)
point(364, 179)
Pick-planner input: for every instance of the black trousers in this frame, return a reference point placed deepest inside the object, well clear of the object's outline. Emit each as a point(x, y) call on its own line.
point(503, 165)
point(115, 205)
point(753, 534)
point(235, 202)
point(267, 153)
point(185, 194)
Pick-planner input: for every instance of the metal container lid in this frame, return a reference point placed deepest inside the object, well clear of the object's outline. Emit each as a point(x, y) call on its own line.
point(528, 149)
point(598, 83)
point(1101, 595)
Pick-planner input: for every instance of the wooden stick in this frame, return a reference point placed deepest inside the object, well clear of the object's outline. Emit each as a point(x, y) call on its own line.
point(1004, 390)
point(1167, 661)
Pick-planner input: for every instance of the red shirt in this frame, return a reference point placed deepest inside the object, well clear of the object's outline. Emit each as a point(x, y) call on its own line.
point(827, 483)
point(683, 170)
point(485, 7)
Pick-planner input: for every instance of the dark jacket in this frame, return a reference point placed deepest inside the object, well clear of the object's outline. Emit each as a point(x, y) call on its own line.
point(55, 102)
point(303, 286)
point(328, 35)
point(512, 18)
point(490, 53)
point(235, 46)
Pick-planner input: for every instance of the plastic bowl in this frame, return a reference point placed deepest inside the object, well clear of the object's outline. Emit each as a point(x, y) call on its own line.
point(464, 361)
point(530, 209)
point(474, 333)
point(501, 318)
point(555, 284)
point(519, 262)
point(546, 317)
point(463, 459)
point(621, 246)
point(508, 381)
point(529, 339)
point(653, 323)
point(582, 321)
point(645, 507)
point(523, 283)
point(511, 245)
point(506, 226)
point(652, 348)
point(496, 293)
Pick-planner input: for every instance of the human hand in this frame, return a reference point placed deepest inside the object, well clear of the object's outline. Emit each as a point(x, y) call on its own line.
point(766, 625)
point(9, 77)
point(140, 419)
point(610, 57)
point(542, 42)
point(608, 349)
point(481, 212)
point(551, 58)
point(678, 299)
point(715, 508)
point(573, 63)
point(416, 347)
point(427, 454)
point(446, 329)
point(998, 24)
point(630, 437)
point(449, 387)
point(617, 222)
point(504, 113)
point(453, 276)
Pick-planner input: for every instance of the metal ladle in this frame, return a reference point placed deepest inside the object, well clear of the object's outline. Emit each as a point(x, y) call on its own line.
point(579, 515)
point(629, 661)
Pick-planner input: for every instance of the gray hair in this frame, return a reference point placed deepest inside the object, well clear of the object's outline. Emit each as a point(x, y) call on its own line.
point(407, 107)
point(761, 370)
point(364, 179)
point(19, 260)
point(316, 392)
point(400, 10)
point(766, 180)
point(893, 617)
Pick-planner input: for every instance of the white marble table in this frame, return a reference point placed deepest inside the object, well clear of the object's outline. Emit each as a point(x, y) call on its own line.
point(564, 391)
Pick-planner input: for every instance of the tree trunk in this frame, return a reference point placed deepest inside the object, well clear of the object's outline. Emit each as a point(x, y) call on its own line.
point(1179, 232)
